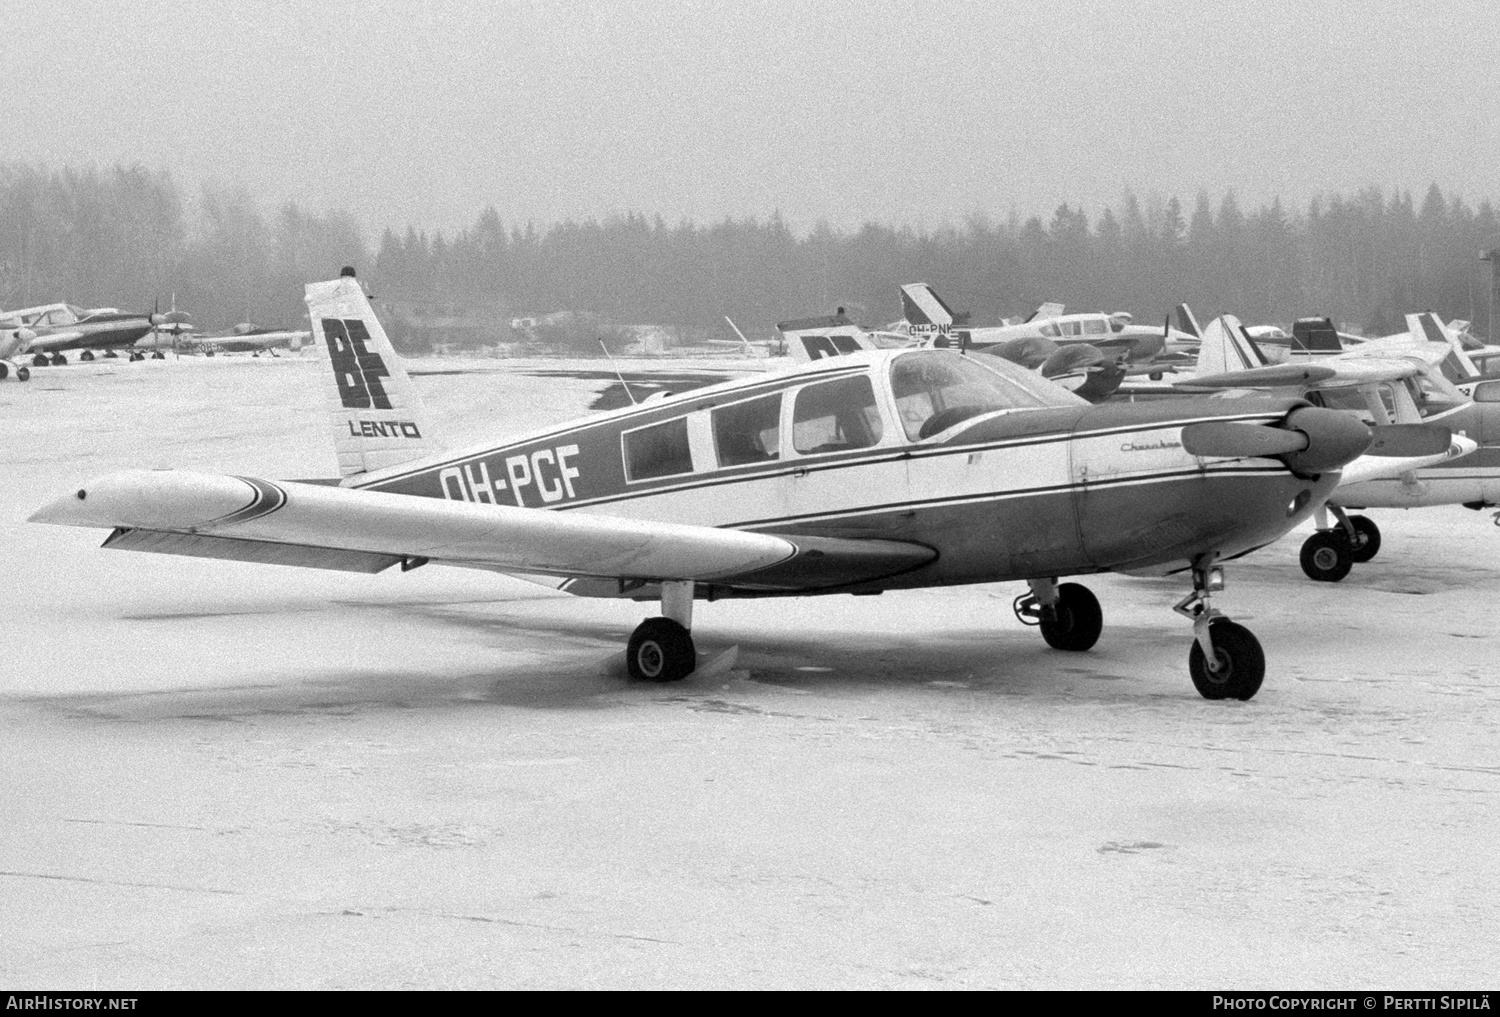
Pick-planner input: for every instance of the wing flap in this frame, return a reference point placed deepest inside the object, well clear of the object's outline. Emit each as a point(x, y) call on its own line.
point(198, 545)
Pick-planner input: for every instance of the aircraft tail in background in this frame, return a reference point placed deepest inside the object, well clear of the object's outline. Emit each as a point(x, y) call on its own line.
point(1187, 321)
point(378, 418)
point(922, 306)
point(1226, 347)
point(1457, 366)
point(1315, 335)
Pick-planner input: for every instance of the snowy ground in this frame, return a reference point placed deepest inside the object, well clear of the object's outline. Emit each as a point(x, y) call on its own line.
point(230, 775)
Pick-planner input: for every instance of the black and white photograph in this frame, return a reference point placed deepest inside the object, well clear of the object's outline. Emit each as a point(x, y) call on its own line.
point(774, 494)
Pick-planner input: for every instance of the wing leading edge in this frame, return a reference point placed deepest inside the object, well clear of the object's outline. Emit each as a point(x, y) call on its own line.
point(319, 526)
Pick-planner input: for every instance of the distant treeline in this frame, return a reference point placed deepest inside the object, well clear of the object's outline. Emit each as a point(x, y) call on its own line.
point(125, 236)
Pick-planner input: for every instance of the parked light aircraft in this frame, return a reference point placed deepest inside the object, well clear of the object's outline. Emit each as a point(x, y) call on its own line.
point(61, 327)
point(1084, 370)
point(246, 338)
point(928, 315)
point(15, 339)
point(1396, 379)
point(855, 474)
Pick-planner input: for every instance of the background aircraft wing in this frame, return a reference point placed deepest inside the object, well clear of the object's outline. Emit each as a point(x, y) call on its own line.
point(324, 526)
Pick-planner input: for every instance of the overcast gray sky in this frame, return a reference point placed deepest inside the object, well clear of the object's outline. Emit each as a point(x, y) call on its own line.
point(894, 111)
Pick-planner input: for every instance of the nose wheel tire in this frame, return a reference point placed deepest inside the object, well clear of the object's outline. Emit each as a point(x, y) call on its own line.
point(660, 650)
point(1077, 619)
point(1327, 556)
point(1366, 538)
point(1241, 663)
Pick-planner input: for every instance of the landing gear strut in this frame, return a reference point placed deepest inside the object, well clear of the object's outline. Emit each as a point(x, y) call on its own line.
point(1329, 554)
point(1226, 661)
point(661, 649)
point(1069, 615)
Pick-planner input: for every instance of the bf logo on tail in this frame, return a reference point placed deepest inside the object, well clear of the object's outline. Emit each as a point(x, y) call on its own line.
point(356, 367)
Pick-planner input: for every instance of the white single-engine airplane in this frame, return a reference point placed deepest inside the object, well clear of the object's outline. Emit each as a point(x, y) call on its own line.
point(246, 338)
point(855, 474)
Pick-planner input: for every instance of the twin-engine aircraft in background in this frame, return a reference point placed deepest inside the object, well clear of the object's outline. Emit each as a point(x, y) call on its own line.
point(853, 474)
point(928, 316)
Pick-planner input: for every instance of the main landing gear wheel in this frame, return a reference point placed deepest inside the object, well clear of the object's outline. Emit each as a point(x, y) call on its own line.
point(1240, 663)
point(58, 360)
point(660, 650)
point(40, 360)
point(158, 355)
point(23, 373)
point(86, 355)
point(1366, 542)
point(1327, 556)
point(1076, 619)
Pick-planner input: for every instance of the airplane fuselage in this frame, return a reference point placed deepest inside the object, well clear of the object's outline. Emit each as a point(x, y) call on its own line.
point(1042, 491)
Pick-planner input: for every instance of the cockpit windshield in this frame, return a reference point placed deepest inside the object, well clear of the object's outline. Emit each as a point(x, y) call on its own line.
point(935, 389)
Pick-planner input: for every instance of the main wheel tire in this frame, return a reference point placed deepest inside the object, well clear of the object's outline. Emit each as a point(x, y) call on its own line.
point(1327, 556)
point(660, 650)
point(23, 373)
point(40, 360)
point(58, 360)
point(86, 355)
point(111, 355)
point(1366, 542)
point(1242, 663)
point(1077, 619)
point(4, 370)
point(158, 355)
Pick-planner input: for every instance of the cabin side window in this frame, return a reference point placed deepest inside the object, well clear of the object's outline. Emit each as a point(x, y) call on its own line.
point(836, 416)
point(748, 432)
point(661, 450)
point(1096, 326)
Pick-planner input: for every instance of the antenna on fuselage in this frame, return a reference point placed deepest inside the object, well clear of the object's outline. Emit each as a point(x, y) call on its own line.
point(612, 363)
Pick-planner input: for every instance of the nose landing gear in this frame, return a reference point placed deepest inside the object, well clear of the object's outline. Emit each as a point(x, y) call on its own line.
point(1226, 661)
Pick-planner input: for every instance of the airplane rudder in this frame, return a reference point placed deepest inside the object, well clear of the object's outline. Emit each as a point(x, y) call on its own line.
point(378, 417)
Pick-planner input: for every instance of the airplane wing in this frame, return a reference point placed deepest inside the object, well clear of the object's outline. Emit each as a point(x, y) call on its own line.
point(323, 526)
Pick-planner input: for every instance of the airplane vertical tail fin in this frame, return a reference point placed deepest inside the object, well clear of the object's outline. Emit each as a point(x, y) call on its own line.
point(1187, 321)
point(815, 338)
point(1226, 347)
point(923, 306)
point(378, 418)
point(1316, 335)
point(1456, 366)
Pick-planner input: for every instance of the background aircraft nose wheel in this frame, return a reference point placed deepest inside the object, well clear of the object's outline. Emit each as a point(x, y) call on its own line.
point(1241, 662)
point(1327, 556)
point(660, 650)
point(1366, 542)
point(1076, 620)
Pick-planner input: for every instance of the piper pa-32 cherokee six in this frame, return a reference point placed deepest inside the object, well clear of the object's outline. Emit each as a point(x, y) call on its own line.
point(856, 474)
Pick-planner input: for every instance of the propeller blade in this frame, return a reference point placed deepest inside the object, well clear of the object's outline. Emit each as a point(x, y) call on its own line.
point(1403, 440)
point(1235, 440)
